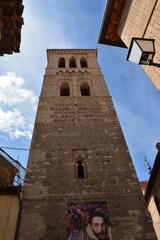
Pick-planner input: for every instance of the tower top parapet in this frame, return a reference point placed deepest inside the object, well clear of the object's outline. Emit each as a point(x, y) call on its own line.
point(72, 51)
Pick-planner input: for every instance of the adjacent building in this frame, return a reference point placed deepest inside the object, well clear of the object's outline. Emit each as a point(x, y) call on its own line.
point(152, 194)
point(10, 196)
point(126, 19)
point(80, 180)
point(10, 26)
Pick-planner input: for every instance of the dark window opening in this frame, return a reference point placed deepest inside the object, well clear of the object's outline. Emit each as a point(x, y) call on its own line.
point(64, 92)
point(61, 63)
point(83, 63)
point(72, 63)
point(85, 91)
point(80, 169)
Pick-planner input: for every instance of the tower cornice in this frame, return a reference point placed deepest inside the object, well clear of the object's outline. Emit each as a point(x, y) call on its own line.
point(72, 51)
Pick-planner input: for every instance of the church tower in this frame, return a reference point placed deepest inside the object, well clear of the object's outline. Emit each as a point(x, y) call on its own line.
point(80, 181)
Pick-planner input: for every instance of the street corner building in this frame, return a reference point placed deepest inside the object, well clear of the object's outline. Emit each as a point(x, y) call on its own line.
point(125, 20)
point(11, 22)
point(80, 182)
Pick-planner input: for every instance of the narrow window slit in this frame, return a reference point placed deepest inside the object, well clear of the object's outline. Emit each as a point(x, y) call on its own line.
point(80, 170)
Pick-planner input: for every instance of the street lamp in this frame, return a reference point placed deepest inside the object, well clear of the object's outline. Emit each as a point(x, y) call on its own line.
point(142, 51)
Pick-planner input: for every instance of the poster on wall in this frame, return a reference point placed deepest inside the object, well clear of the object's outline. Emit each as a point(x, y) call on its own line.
point(88, 221)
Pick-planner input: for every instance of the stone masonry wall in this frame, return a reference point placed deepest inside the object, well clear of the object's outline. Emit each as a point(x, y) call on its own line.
point(65, 127)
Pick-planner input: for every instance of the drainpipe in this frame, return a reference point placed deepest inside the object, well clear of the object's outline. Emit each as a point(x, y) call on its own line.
point(19, 214)
point(150, 18)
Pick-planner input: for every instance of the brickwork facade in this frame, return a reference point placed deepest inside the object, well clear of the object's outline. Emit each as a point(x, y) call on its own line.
point(79, 155)
point(142, 19)
point(152, 194)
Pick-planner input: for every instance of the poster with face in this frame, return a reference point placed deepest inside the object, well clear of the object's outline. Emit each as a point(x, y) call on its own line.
point(88, 220)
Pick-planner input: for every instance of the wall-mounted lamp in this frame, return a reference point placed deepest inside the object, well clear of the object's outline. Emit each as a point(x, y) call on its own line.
point(142, 51)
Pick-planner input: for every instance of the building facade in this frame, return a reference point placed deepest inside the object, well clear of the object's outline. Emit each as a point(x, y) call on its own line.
point(125, 19)
point(10, 197)
point(80, 181)
point(152, 194)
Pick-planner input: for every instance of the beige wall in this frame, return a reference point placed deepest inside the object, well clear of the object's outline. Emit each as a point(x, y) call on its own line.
point(155, 216)
point(155, 191)
point(9, 207)
point(142, 19)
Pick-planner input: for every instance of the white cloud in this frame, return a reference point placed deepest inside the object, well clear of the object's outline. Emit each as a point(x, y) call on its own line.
point(18, 105)
point(12, 91)
point(14, 125)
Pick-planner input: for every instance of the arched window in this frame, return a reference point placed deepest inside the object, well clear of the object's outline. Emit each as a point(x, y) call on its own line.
point(80, 169)
point(83, 63)
point(84, 88)
point(64, 89)
point(61, 63)
point(80, 163)
point(72, 63)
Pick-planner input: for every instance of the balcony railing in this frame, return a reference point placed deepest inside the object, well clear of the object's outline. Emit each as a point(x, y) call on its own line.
point(12, 172)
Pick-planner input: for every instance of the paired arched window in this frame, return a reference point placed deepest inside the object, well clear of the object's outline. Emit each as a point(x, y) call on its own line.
point(61, 63)
point(83, 62)
point(84, 89)
point(64, 89)
point(72, 63)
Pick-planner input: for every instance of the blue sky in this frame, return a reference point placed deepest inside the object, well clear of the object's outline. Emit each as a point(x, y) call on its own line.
point(74, 24)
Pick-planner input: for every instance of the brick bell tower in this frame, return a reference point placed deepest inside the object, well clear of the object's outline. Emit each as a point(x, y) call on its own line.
point(80, 182)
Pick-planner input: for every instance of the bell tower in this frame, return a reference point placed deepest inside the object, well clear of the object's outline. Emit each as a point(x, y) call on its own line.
point(80, 181)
